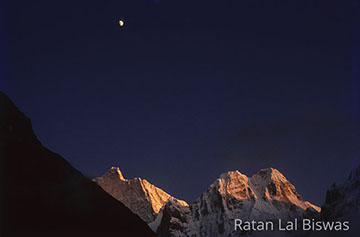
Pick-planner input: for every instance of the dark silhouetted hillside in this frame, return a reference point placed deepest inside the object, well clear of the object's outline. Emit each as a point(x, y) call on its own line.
point(43, 195)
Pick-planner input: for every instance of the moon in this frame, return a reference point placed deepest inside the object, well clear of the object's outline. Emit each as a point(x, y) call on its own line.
point(121, 23)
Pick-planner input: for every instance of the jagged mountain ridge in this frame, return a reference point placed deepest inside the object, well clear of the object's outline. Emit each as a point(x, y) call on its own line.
point(42, 195)
point(267, 195)
point(140, 196)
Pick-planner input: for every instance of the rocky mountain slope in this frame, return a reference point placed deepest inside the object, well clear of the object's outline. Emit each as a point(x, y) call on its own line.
point(140, 196)
point(266, 196)
point(42, 195)
point(343, 201)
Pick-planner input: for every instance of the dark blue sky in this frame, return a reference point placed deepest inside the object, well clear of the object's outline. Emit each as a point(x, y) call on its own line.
point(190, 89)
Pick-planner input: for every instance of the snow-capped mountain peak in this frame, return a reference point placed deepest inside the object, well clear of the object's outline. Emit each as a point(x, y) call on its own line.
point(233, 183)
point(266, 196)
point(270, 184)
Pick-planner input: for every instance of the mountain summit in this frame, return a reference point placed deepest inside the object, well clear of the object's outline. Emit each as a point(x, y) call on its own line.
point(140, 196)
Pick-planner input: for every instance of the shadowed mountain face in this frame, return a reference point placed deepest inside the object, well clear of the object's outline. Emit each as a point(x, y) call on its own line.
point(343, 202)
point(42, 195)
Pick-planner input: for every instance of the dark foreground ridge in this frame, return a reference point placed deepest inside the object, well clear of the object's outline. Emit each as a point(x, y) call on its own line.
point(43, 195)
point(343, 202)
